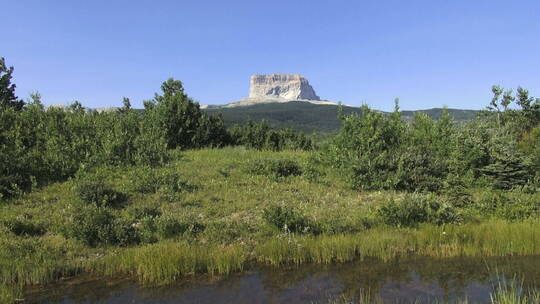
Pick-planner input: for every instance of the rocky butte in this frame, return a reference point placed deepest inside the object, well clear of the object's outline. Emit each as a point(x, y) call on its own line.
point(279, 88)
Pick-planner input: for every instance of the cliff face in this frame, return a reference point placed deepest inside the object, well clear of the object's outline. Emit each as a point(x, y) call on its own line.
point(281, 86)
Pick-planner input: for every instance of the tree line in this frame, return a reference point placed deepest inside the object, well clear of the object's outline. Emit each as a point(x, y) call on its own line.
point(39, 145)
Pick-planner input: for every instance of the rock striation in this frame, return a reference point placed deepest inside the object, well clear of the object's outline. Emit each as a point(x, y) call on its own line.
point(279, 88)
point(284, 86)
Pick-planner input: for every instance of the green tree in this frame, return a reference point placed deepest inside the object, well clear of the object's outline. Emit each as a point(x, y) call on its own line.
point(7, 89)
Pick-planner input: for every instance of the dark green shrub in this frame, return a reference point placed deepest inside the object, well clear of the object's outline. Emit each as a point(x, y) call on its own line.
point(289, 219)
point(512, 206)
point(151, 229)
point(261, 136)
point(93, 190)
point(456, 191)
point(97, 226)
point(226, 231)
point(414, 209)
point(147, 180)
point(168, 227)
point(139, 213)
point(275, 168)
point(24, 227)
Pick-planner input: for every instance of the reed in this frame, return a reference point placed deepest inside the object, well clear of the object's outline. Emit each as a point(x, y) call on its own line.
point(10, 293)
point(473, 240)
point(164, 263)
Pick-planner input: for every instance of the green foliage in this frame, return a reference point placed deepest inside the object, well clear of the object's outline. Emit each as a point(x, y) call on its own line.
point(163, 180)
point(92, 189)
point(530, 146)
point(261, 136)
point(97, 226)
point(289, 219)
point(367, 149)
point(182, 120)
point(414, 209)
point(308, 117)
point(22, 226)
point(151, 229)
point(274, 168)
point(7, 89)
point(508, 205)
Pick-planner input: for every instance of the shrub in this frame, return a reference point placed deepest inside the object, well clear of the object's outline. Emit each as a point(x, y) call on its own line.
point(168, 227)
point(96, 226)
point(93, 190)
point(140, 213)
point(289, 220)
point(24, 227)
point(414, 209)
point(147, 180)
point(151, 229)
point(512, 206)
point(275, 168)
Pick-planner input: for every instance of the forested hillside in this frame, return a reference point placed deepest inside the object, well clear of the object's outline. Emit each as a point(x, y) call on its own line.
point(309, 117)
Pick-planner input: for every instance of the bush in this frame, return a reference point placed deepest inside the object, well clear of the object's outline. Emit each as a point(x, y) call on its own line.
point(512, 206)
point(261, 136)
point(97, 226)
point(275, 168)
point(151, 229)
point(414, 209)
point(24, 227)
point(93, 190)
point(140, 213)
point(147, 180)
point(289, 220)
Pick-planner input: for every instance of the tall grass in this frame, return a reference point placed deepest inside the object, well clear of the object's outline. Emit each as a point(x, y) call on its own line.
point(164, 263)
point(32, 261)
point(513, 293)
point(10, 294)
point(472, 240)
point(502, 293)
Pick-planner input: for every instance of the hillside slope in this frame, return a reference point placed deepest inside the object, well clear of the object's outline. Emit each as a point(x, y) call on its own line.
point(310, 117)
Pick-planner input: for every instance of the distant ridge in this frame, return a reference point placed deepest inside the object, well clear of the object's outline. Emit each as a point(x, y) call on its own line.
point(310, 117)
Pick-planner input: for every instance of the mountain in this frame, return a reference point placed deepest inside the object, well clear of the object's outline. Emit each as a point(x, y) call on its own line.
point(310, 117)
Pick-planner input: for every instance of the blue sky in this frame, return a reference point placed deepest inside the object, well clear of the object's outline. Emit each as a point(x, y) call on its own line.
point(427, 53)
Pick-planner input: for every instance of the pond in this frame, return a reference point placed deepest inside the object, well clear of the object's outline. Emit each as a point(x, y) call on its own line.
point(423, 280)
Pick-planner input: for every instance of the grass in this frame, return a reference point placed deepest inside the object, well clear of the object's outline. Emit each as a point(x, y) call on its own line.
point(10, 293)
point(164, 263)
point(502, 293)
point(488, 239)
point(219, 204)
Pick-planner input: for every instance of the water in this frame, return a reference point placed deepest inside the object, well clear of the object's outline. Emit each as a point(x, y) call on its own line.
point(420, 279)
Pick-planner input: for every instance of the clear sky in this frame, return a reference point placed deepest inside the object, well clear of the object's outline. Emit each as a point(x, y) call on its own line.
point(428, 53)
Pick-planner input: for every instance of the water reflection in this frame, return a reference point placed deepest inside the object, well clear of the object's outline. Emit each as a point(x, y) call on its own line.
point(405, 280)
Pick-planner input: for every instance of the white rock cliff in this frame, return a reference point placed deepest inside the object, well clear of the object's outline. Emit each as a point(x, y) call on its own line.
point(285, 86)
point(279, 88)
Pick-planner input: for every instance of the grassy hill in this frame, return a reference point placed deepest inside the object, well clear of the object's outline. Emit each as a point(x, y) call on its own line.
point(310, 117)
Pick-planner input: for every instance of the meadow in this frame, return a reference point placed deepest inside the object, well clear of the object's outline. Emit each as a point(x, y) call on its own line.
point(220, 214)
point(171, 191)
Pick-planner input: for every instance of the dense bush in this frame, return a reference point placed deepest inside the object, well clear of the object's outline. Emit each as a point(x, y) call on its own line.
point(182, 120)
point(39, 145)
point(512, 206)
point(289, 219)
point(97, 226)
point(261, 136)
point(164, 180)
point(24, 227)
point(375, 151)
point(275, 168)
point(94, 190)
point(414, 209)
point(151, 229)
